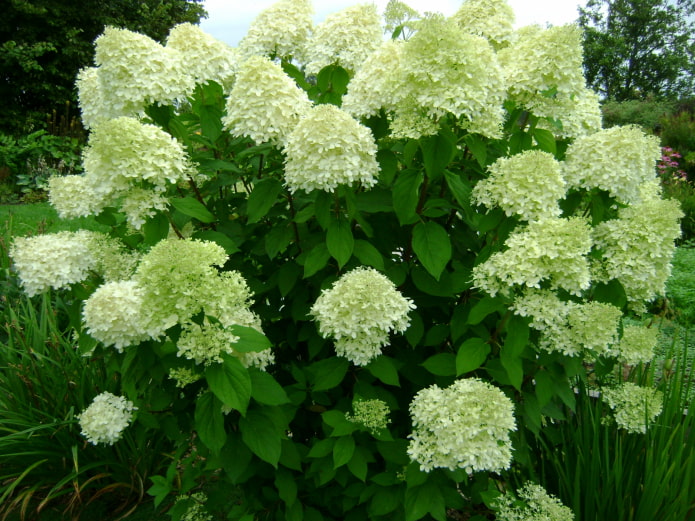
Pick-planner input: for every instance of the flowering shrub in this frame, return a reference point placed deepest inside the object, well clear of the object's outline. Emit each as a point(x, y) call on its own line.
point(358, 310)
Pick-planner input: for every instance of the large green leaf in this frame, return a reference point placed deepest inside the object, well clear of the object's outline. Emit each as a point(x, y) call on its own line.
point(262, 198)
point(423, 499)
point(209, 421)
point(339, 241)
point(385, 369)
point(437, 152)
point(265, 389)
point(261, 431)
point(316, 259)
point(406, 193)
point(368, 254)
point(471, 355)
point(432, 246)
point(193, 208)
point(441, 364)
point(250, 339)
point(230, 382)
point(328, 373)
point(343, 450)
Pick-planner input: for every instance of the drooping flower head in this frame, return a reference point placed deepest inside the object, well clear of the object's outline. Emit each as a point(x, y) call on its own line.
point(135, 71)
point(329, 148)
point(106, 418)
point(618, 160)
point(528, 184)
point(445, 70)
point(634, 407)
point(345, 38)
point(359, 311)
point(538, 506)
point(282, 30)
point(265, 104)
point(491, 19)
point(464, 426)
point(206, 58)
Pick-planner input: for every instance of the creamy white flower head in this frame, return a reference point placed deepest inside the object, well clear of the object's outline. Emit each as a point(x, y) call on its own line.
point(538, 506)
point(618, 160)
point(106, 418)
point(55, 260)
point(139, 204)
point(265, 103)
point(638, 246)
point(345, 38)
point(542, 62)
point(637, 344)
point(89, 98)
point(206, 58)
point(328, 148)
point(371, 414)
point(528, 184)
point(123, 151)
point(569, 116)
point(374, 86)
point(112, 314)
point(359, 311)
point(74, 196)
point(465, 425)
point(281, 31)
point(634, 407)
point(445, 70)
point(492, 19)
point(553, 251)
point(135, 71)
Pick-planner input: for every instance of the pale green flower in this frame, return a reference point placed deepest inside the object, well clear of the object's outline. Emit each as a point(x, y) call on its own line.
point(113, 314)
point(90, 100)
point(538, 506)
point(207, 58)
point(345, 38)
point(491, 19)
point(569, 116)
point(196, 510)
point(281, 31)
point(106, 418)
point(397, 14)
point(75, 196)
point(465, 425)
point(371, 414)
point(637, 344)
point(634, 407)
point(447, 71)
point(528, 184)
point(328, 148)
point(552, 251)
point(265, 103)
point(359, 311)
point(183, 376)
point(139, 204)
point(618, 160)
point(135, 71)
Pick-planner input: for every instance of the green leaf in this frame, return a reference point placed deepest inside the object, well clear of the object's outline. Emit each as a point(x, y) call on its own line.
point(545, 140)
point(343, 450)
point(288, 275)
point(265, 389)
point(262, 198)
point(432, 246)
point(471, 355)
point(385, 501)
point(250, 339)
point(230, 382)
point(277, 239)
point(437, 152)
point(193, 208)
point(262, 433)
point(544, 388)
point(337, 421)
point(424, 499)
point(156, 228)
point(339, 241)
point(518, 332)
point(316, 260)
point(358, 464)
point(220, 238)
point(368, 255)
point(512, 363)
point(611, 292)
point(160, 489)
point(210, 121)
point(406, 193)
point(384, 368)
point(460, 190)
point(442, 364)
point(209, 422)
point(484, 307)
point(286, 485)
point(478, 148)
point(328, 373)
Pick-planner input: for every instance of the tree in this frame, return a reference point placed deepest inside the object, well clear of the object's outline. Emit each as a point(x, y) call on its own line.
point(639, 48)
point(44, 43)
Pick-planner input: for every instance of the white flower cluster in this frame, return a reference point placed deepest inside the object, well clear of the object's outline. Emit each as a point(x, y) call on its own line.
point(538, 506)
point(106, 418)
point(345, 38)
point(465, 425)
point(570, 116)
point(586, 329)
point(359, 311)
point(553, 250)
point(74, 196)
point(528, 184)
point(329, 148)
point(265, 103)
point(371, 414)
point(618, 160)
point(637, 344)
point(282, 30)
point(634, 407)
point(492, 19)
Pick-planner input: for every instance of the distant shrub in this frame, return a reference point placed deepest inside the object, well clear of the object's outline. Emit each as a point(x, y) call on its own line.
point(645, 113)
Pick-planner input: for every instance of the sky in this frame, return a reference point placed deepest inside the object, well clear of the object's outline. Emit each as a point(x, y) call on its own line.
point(229, 20)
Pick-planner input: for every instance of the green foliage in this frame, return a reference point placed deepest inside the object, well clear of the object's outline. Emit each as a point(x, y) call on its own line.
point(634, 49)
point(646, 113)
point(43, 44)
point(681, 284)
point(678, 132)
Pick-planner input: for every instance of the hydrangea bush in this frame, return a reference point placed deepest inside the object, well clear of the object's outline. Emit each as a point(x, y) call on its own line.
point(348, 276)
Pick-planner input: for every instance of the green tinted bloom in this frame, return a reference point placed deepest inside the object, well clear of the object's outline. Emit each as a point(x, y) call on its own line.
point(371, 414)
point(634, 407)
point(637, 344)
point(538, 506)
point(491, 19)
point(106, 418)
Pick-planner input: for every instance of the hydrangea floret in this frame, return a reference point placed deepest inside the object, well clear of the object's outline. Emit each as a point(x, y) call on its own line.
point(634, 407)
point(106, 418)
point(637, 344)
point(372, 414)
point(463, 426)
point(492, 19)
point(537, 505)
